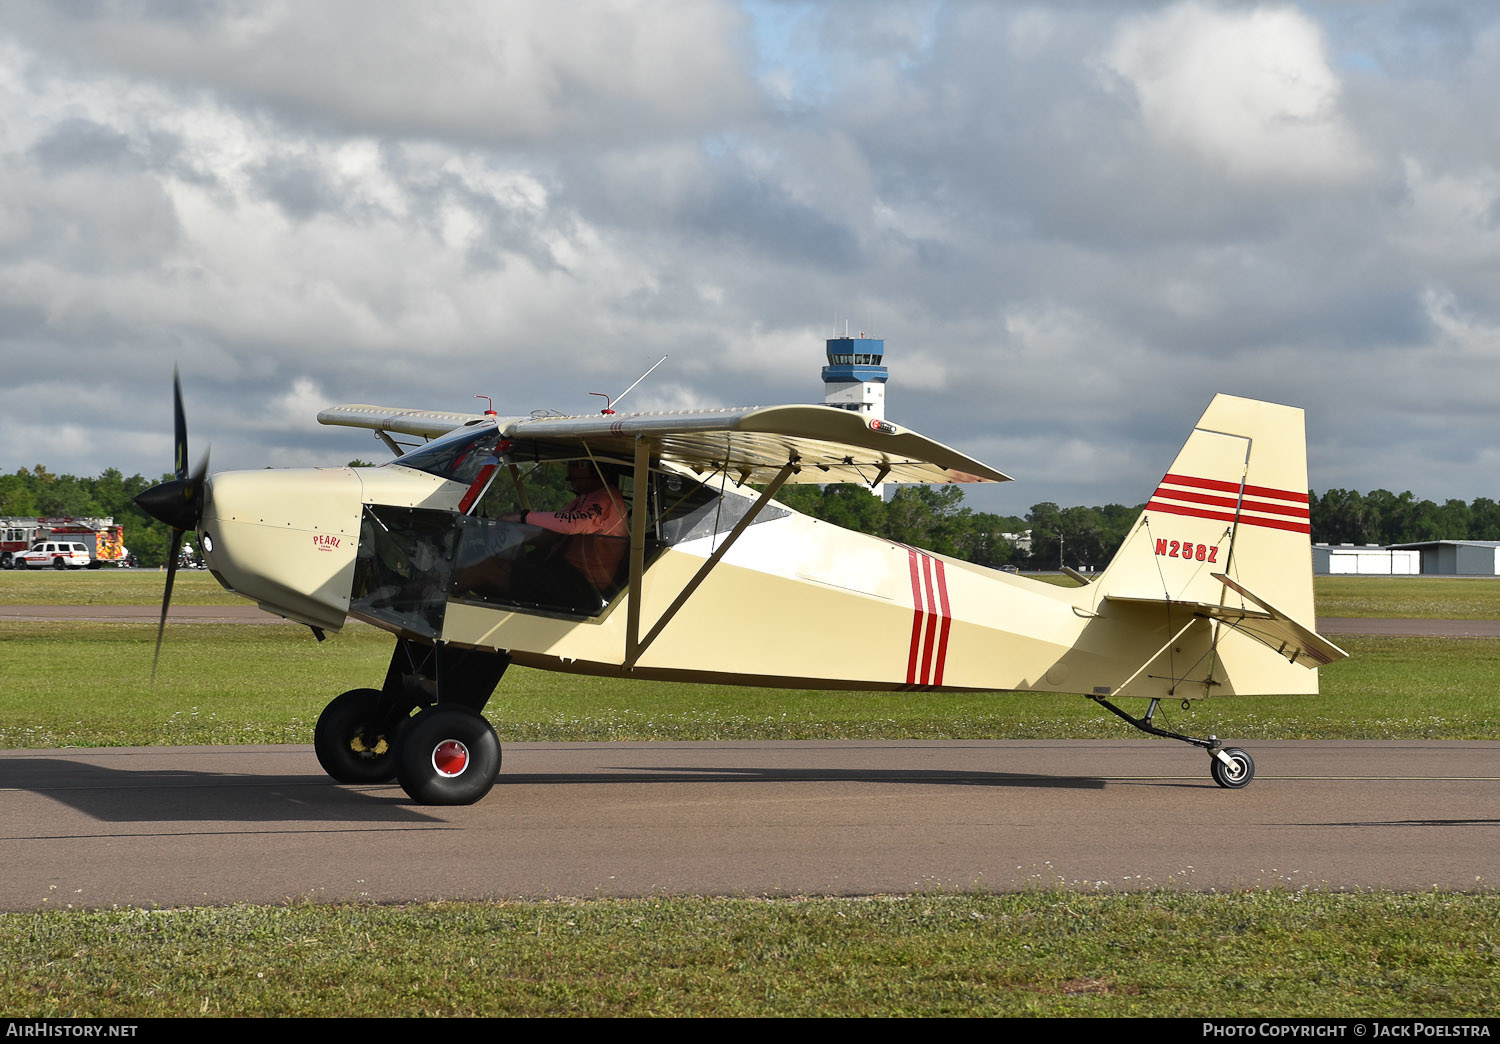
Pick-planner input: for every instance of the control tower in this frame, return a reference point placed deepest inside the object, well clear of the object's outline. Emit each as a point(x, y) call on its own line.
point(855, 376)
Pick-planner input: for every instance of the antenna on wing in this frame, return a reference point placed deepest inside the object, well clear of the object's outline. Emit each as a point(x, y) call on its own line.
point(609, 404)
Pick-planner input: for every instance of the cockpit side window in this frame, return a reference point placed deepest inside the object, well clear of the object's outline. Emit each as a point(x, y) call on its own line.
point(412, 562)
point(687, 508)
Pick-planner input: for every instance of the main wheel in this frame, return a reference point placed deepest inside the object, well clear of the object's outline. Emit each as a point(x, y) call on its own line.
point(350, 742)
point(447, 756)
point(1237, 776)
point(58, 563)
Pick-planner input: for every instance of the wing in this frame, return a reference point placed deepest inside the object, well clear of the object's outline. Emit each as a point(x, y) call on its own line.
point(752, 443)
point(427, 423)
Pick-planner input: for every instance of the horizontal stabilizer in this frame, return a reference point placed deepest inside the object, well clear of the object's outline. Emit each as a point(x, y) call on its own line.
point(1295, 641)
point(1298, 639)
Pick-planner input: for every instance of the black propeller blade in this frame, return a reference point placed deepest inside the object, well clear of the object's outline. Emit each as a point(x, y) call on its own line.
point(178, 503)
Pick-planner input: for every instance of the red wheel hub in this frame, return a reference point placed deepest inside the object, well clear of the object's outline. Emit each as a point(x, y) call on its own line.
point(450, 758)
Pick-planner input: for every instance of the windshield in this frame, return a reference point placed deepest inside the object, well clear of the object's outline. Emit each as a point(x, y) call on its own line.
point(457, 456)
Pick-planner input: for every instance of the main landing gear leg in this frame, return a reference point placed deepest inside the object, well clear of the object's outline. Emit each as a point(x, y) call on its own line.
point(447, 753)
point(1230, 767)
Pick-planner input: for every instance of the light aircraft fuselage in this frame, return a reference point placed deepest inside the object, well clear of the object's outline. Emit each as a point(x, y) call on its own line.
point(1210, 594)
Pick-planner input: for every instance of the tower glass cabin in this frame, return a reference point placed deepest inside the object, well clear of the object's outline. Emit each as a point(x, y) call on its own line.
point(855, 376)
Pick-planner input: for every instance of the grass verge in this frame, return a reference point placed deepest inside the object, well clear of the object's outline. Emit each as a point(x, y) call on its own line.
point(1409, 597)
point(1038, 953)
point(1399, 597)
point(110, 587)
point(87, 684)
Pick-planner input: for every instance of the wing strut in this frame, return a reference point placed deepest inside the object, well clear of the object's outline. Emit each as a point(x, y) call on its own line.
point(634, 649)
point(640, 505)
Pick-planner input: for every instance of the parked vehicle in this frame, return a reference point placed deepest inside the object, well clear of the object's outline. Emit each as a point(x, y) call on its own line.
point(102, 539)
point(59, 554)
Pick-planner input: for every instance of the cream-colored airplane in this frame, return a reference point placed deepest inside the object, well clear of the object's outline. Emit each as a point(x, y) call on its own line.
point(710, 579)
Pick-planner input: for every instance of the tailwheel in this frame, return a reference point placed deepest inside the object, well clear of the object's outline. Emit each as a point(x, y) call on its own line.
point(352, 744)
point(447, 756)
point(1232, 767)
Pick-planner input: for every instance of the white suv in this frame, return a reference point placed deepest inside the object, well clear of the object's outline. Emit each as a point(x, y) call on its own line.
point(55, 553)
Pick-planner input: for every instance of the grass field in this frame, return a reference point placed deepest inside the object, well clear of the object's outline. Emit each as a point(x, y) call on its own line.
point(1418, 597)
point(221, 683)
point(1039, 953)
point(1043, 952)
point(87, 684)
point(110, 587)
point(1409, 597)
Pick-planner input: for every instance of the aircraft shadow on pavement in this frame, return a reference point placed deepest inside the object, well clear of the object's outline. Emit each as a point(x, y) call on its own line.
point(127, 796)
point(742, 774)
point(157, 795)
point(1386, 823)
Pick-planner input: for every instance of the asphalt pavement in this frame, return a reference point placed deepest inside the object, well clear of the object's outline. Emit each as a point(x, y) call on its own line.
point(172, 826)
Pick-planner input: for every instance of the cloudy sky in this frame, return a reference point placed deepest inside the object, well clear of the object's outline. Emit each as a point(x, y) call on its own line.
point(1072, 222)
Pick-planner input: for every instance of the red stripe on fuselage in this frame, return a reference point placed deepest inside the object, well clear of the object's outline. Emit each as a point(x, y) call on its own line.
point(942, 651)
point(916, 621)
point(932, 620)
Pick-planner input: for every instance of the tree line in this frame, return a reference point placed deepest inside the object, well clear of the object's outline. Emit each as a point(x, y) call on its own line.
point(935, 518)
point(37, 492)
point(1343, 516)
point(931, 517)
point(1086, 538)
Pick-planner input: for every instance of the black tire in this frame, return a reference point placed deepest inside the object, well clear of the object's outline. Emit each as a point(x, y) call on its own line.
point(1238, 776)
point(18, 563)
point(447, 756)
point(58, 563)
point(349, 741)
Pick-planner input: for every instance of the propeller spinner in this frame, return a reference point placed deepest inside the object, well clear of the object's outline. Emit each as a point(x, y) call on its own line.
point(178, 503)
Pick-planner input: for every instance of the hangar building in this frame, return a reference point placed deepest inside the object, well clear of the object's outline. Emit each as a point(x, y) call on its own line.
point(1425, 557)
point(1456, 557)
point(1364, 560)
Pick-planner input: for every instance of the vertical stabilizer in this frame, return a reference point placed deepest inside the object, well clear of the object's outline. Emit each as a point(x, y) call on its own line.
point(1234, 502)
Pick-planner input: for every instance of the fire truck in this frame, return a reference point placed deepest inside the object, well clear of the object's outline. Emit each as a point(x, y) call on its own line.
point(104, 539)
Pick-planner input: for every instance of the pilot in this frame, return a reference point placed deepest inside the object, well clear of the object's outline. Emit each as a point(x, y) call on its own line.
point(597, 509)
point(579, 570)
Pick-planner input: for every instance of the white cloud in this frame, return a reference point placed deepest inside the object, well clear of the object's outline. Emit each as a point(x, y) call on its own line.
point(1248, 89)
point(1071, 223)
point(467, 70)
point(1451, 218)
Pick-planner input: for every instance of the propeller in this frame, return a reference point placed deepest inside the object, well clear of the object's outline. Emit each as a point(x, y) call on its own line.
point(178, 503)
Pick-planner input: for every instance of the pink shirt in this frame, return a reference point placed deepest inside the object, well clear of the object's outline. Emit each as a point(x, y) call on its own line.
point(599, 513)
